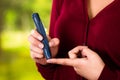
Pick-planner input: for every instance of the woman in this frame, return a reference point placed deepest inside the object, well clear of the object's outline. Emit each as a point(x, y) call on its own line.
point(84, 41)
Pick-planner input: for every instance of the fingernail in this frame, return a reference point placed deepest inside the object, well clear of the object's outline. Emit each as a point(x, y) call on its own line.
point(41, 45)
point(51, 43)
point(40, 38)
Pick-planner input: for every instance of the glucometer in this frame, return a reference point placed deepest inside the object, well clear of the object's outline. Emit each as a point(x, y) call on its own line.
point(40, 29)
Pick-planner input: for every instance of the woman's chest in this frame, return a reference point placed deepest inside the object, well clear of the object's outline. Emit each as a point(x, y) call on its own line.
point(74, 25)
point(94, 7)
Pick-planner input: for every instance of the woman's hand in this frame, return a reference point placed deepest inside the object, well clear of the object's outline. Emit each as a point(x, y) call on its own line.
point(36, 47)
point(89, 66)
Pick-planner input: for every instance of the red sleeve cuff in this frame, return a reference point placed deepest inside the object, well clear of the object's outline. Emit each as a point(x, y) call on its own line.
point(108, 74)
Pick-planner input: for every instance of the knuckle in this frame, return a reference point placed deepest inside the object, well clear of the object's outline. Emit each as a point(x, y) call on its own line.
point(31, 47)
point(36, 53)
point(33, 40)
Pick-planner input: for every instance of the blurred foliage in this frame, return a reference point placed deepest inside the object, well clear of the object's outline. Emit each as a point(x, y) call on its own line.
point(15, 26)
point(17, 14)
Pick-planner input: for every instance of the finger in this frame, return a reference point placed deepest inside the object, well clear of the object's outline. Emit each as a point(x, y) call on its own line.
point(74, 52)
point(54, 42)
point(35, 55)
point(67, 62)
point(35, 34)
point(54, 45)
point(77, 49)
point(88, 53)
point(36, 49)
point(35, 42)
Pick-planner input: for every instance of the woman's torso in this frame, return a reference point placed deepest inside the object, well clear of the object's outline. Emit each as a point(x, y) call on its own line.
point(99, 31)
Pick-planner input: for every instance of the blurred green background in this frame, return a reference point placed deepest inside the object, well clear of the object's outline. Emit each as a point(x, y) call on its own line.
point(15, 26)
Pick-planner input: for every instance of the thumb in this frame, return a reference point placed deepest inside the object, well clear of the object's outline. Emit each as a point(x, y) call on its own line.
point(54, 45)
point(54, 42)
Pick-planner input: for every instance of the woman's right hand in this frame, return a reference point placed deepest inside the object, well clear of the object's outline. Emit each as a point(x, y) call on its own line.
point(36, 47)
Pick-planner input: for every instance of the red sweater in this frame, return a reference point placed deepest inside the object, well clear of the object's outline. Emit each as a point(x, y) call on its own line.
point(70, 23)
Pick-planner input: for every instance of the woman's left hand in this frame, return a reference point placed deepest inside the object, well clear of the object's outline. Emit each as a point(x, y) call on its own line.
point(89, 66)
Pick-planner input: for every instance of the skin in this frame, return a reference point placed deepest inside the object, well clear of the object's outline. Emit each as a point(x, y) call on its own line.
point(89, 66)
point(96, 6)
point(36, 46)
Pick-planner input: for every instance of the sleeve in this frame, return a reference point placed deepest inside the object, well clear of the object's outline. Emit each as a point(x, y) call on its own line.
point(108, 74)
point(111, 70)
point(55, 12)
point(111, 58)
point(47, 71)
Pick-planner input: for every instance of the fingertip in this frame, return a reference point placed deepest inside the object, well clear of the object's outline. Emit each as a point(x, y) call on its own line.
point(40, 38)
point(35, 34)
point(54, 42)
point(49, 61)
point(51, 43)
point(70, 53)
point(41, 46)
point(57, 40)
